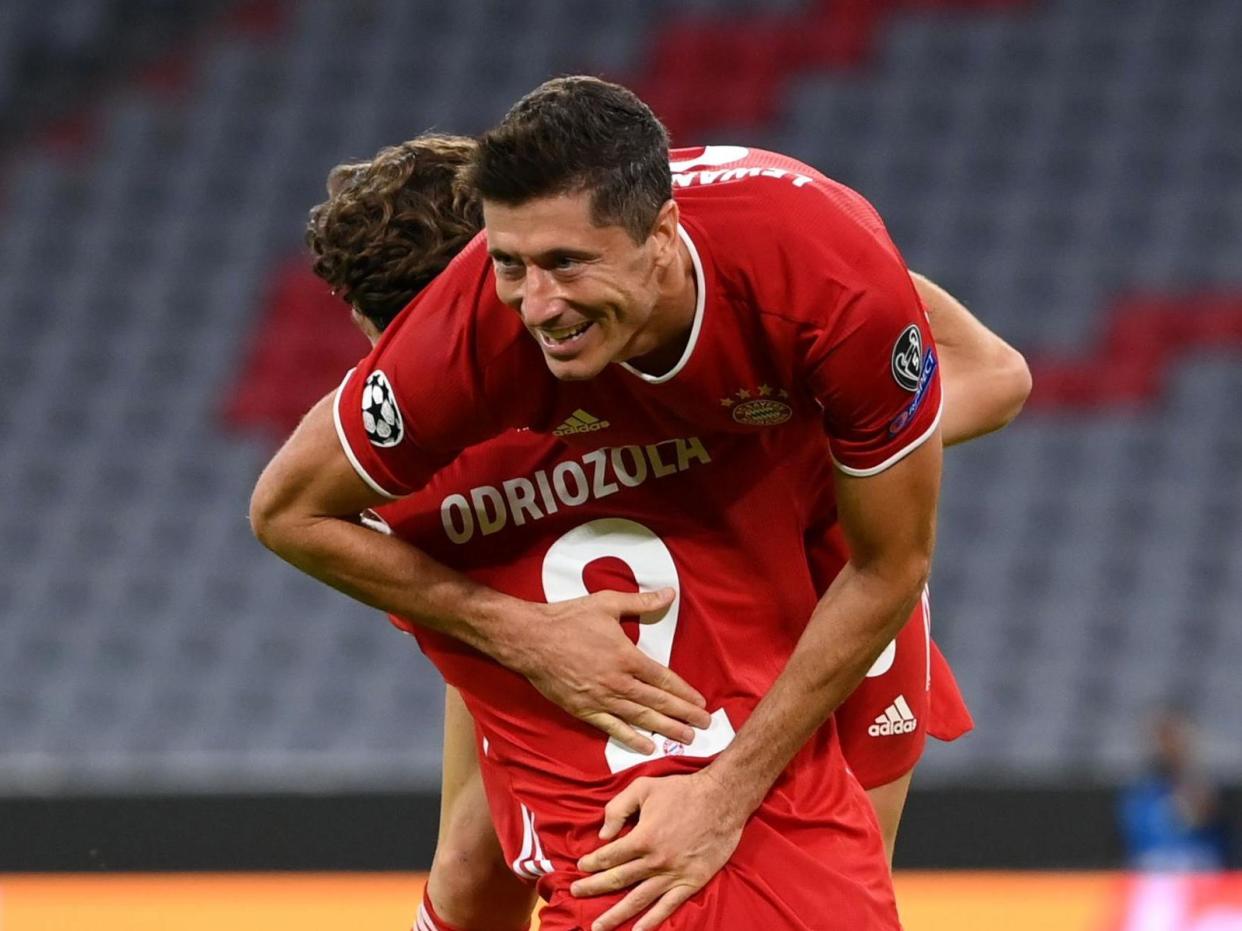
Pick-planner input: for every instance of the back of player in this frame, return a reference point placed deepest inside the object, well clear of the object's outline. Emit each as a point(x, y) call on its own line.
point(707, 517)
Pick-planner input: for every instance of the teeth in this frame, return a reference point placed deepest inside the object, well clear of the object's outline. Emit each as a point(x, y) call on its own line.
point(566, 335)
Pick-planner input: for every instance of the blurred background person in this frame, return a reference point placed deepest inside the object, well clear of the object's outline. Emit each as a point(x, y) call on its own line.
point(1171, 818)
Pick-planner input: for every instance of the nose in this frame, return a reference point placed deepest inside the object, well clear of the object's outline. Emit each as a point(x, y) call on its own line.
point(541, 298)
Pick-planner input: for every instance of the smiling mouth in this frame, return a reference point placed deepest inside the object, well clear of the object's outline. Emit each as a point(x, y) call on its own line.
point(564, 339)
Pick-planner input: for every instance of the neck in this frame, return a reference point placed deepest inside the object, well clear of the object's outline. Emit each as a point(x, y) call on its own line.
point(668, 330)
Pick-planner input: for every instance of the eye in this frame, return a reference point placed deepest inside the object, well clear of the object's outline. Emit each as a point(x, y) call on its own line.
point(507, 265)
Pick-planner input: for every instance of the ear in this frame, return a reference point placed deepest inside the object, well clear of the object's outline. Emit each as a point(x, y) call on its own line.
point(664, 233)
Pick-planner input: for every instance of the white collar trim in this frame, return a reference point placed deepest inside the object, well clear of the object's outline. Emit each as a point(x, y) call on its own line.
point(700, 303)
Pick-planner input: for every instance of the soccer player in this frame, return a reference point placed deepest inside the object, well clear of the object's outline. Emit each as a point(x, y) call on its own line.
point(388, 227)
point(762, 306)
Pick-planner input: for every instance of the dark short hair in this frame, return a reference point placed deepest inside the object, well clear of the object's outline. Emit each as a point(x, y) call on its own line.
point(578, 134)
point(392, 224)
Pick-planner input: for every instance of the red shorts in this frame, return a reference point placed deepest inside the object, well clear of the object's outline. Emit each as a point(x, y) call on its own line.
point(796, 868)
point(908, 693)
point(775, 881)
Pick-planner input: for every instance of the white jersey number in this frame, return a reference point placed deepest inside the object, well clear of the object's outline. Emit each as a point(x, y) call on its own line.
point(652, 564)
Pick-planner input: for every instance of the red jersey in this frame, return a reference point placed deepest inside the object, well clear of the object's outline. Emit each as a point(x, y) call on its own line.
point(805, 314)
point(710, 518)
point(807, 325)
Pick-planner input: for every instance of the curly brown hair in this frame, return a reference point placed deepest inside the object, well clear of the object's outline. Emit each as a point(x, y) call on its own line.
point(392, 224)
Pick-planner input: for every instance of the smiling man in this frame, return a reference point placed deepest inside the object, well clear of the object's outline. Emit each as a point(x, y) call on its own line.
point(765, 306)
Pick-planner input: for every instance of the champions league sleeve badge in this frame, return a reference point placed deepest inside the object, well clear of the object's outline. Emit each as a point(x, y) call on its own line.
point(380, 415)
point(908, 358)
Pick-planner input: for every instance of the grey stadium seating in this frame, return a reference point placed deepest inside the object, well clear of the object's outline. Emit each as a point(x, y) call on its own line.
point(1036, 163)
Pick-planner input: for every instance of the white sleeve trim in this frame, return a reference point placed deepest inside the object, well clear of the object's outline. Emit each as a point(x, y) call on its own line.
point(897, 456)
point(349, 452)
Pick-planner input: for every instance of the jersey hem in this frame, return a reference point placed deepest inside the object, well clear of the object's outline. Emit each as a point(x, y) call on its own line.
point(882, 776)
point(897, 456)
point(349, 451)
point(700, 304)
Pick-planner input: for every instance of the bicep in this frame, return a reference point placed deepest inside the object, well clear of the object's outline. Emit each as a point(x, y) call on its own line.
point(872, 366)
point(310, 477)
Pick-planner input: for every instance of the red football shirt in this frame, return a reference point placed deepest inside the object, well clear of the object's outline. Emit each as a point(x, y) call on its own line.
point(710, 517)
point(805, 312)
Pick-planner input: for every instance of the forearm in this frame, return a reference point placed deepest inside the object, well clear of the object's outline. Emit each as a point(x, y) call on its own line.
point(857, 617)
point(395, 576)
point(980, 402)
point(984, 380)
point(304, 508)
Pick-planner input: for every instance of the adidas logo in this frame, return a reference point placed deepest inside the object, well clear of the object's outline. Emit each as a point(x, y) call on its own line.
point(896, 719)
point(580, 422)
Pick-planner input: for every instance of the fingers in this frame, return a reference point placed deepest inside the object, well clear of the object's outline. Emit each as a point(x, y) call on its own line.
point(619, 809)
point(664, 679)
point(616, 813)
point(649, 607)
point(624, 718)
point(653, 602)
point(666, 705)
point(633, 904)
point(643, 717)
point(621, 732)
point(613, 880)
point(619, 852)
point(672, 900)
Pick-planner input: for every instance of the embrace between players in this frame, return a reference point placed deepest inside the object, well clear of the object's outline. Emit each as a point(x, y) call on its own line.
point(695, 388)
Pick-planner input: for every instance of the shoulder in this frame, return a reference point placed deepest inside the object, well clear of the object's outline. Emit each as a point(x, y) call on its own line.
point(451, 357)
point(777, 228)
point(767, 189)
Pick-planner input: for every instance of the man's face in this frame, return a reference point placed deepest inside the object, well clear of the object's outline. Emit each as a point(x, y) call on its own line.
point(584, 292)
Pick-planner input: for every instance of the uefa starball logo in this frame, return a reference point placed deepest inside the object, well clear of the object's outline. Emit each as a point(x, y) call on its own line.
point(908, 358)
point(380, 415)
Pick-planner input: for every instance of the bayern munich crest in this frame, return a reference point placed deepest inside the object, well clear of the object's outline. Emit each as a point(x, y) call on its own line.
point(380, 415)
point(762, 413)
point(763, 406)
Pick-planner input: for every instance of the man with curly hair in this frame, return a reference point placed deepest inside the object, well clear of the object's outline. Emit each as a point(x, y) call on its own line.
point(393, 223)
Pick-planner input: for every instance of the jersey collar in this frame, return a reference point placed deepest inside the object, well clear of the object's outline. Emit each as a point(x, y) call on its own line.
point(700, 281)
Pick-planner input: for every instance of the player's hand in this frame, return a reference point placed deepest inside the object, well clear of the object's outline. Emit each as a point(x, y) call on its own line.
point(584, 662)
point(688, 827)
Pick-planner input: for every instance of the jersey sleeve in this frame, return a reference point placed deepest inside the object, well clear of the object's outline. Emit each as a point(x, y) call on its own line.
point(868, 353)
point(422, 395)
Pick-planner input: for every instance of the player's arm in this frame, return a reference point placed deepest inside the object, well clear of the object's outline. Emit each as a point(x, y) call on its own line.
point(471, 885)
point(304, 508)
point(690, 825)
point(985, 381)
point(889, 523)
